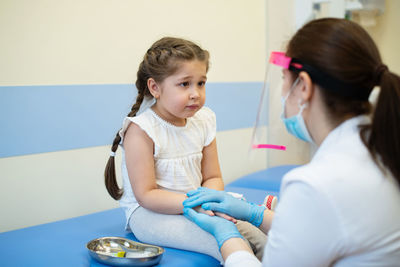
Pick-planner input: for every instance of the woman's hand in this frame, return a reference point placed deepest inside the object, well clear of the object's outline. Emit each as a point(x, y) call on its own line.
point(220, 201)
point(220, 228)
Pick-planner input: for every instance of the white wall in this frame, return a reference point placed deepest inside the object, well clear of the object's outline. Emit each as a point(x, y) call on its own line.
point(280, 27)
point(102, 41)
point(386, 34)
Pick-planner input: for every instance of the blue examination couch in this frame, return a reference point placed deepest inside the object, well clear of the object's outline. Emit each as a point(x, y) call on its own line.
point(63, 243)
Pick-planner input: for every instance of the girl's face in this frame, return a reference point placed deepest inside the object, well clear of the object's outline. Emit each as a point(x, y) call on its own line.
point(183, 93)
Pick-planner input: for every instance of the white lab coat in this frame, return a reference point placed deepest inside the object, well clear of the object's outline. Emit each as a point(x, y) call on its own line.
point(339, 209)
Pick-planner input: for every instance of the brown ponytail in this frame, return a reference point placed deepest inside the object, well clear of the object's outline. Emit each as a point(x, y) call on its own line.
point(344, 51)
point(159, 62)
point(382, 136)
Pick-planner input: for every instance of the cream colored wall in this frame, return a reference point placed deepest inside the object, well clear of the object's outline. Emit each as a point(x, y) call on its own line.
point(103, 41)
point(47, 187)
point(60, 42)
point(53, 186)
point(280, 28)
point(386, 34)
point(235, 157)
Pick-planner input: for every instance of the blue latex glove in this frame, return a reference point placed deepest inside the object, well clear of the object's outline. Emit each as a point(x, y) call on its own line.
point(220, 228)
point(214, 200)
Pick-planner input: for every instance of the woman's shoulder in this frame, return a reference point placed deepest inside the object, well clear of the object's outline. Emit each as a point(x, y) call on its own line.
point(344, 180)
point(342, 158)
point(335, 170)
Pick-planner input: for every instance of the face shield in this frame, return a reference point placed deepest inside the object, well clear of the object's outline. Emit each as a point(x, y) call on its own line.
point(273, 83)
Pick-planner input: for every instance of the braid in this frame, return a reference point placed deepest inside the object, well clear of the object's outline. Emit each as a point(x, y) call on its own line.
point(109, 173)
point(135, 108)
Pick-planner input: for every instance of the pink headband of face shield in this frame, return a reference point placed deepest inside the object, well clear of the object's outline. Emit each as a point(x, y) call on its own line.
point(325, 80)
point(280, 59)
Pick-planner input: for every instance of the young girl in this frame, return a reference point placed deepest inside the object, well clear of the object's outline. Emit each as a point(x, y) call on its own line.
point(169, 148)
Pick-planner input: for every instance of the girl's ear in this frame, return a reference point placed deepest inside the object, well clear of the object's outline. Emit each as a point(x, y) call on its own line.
point(307, 89)
point(153, 88)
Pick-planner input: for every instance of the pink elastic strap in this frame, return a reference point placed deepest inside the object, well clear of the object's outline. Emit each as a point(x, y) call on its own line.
point(280, 59)
point(270, 146)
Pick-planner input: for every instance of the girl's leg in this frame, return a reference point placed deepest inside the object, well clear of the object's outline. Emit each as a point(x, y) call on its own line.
point(173, 231)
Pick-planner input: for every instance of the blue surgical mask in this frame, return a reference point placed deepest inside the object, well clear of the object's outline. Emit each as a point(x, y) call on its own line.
point(295, 125)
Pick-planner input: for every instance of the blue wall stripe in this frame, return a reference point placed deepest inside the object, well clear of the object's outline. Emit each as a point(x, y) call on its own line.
point(235, 104)
point(37, 119)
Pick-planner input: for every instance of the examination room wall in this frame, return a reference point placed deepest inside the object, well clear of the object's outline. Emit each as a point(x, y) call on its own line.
point(67, 71)
point(386, 34)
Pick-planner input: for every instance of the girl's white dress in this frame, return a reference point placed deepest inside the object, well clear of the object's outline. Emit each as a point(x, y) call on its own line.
point(177, 152)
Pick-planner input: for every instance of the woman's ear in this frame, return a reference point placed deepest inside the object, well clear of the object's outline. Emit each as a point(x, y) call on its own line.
point(307, 89)
point(153, 88)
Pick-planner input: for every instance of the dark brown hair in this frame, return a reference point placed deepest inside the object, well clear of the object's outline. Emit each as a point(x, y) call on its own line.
point(160, 61)
point(345, 51)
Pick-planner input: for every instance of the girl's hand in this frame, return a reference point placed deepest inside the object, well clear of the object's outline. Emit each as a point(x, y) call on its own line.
point(199, 209)
point(225, 216)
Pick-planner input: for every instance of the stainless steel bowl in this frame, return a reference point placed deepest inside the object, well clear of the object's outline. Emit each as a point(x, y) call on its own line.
point(105, 250)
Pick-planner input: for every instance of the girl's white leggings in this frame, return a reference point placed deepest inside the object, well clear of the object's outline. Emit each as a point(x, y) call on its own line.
point(176, 231)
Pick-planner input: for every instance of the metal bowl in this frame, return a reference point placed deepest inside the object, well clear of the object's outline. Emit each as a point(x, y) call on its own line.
point(105, 250)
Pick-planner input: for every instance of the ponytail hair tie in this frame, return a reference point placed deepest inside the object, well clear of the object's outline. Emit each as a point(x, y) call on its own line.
point(112, 154)
point(382, 68)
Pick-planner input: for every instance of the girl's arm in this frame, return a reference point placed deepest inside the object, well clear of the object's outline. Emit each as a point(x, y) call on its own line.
point(210, 169)
point(140, 164)
point(212, 177)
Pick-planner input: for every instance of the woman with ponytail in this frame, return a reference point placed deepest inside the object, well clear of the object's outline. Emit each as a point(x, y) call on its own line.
point(342, 208)
point(169, 148)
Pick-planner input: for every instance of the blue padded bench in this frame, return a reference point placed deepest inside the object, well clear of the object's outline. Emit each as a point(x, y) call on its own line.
point(63, 243)
point(268, 179)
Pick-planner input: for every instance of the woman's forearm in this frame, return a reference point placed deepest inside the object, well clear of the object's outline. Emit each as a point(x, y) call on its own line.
point(232, 245)
point(267, 220)
point(163, 201)
point(238, 244)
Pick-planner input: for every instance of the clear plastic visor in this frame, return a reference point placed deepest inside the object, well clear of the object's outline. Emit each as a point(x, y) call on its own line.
point(272, 85)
